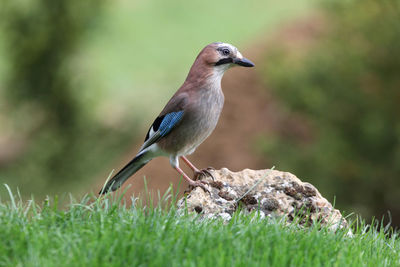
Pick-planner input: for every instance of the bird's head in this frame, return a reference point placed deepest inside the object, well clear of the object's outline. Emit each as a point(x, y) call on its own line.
point(224, 55)
point(215, 59)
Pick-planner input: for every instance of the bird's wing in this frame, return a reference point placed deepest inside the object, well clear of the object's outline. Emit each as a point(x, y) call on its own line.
point(170, 116)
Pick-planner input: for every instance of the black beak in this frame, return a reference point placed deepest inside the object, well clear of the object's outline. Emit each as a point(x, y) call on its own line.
point(244, 62)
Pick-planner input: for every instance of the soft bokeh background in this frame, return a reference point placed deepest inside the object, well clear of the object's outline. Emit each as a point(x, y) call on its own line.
point(80, 82)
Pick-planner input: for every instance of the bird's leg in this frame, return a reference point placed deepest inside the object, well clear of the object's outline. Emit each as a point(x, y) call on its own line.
point(197, 172)
point(189, 164)
point(191, 182)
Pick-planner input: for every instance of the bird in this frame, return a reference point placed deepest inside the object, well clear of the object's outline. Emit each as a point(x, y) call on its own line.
point(188, 118)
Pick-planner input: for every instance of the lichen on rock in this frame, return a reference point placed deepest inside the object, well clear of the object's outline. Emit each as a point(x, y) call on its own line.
point(271, 193)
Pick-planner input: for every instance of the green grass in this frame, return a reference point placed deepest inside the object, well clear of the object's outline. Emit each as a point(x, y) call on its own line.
point(100, 232)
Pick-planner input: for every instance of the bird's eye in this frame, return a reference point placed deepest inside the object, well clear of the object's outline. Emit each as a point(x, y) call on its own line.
point(226, 52)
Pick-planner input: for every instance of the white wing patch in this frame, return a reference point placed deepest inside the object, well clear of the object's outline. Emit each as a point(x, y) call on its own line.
point(153, 137)
point(151, 132)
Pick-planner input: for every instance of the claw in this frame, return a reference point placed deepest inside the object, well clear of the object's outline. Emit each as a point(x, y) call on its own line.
point(201, 184)
point(204, 172)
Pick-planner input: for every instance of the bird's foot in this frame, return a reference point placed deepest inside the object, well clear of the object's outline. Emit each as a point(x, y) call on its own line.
point(204, 172)
point(201, 184)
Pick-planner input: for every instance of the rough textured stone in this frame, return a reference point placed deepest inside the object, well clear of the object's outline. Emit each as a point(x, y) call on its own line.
point(270, 192)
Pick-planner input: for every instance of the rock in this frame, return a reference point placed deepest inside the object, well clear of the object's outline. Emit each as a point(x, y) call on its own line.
point(272, 193)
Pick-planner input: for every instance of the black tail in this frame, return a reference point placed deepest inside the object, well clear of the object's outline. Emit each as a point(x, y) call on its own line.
point(123, 175)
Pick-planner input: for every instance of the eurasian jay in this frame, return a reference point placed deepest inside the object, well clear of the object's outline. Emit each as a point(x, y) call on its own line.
point(189, 116)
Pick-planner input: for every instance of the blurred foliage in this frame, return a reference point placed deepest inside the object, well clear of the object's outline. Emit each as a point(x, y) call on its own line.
point(41, 35)
point(58, 140)
point(345, 87)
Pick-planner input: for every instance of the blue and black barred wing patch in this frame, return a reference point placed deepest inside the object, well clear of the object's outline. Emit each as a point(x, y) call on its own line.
point(161, 127)
point(169, 121)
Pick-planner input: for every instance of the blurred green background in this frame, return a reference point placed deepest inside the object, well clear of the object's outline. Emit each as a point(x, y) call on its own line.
point(80, 81)
point(343, 87)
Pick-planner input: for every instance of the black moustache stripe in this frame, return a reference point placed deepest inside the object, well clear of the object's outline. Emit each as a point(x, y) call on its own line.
point(224, 61)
